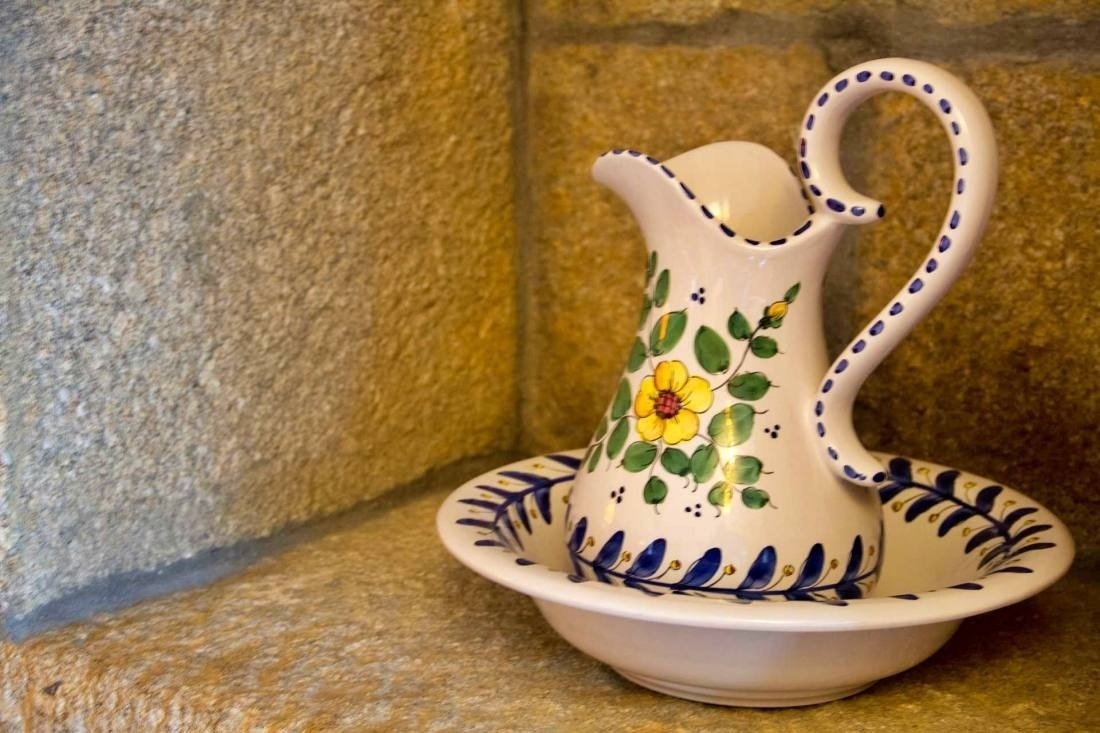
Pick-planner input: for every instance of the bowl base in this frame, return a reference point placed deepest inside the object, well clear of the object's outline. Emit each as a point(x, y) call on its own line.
point(744, 698)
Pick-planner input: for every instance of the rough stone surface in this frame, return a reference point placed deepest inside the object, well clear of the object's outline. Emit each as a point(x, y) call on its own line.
point(258, 266)
point(947, 12)
point(585, 271)
point(1002, 376)
point(375, 628)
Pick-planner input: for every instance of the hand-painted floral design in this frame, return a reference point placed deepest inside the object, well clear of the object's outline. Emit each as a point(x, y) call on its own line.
point(669, 402)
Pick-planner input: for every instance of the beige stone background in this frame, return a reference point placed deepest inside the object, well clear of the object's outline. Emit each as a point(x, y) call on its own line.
point(262, 262)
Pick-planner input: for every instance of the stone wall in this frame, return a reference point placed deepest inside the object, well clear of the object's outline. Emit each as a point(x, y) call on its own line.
point(261, 262)
point(1001, 379)
point(258, 266)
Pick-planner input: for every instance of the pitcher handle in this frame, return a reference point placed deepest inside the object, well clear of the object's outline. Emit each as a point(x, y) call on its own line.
point(975, 153)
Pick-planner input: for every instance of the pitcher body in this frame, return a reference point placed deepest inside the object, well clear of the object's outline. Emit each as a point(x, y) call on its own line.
point(726, 464)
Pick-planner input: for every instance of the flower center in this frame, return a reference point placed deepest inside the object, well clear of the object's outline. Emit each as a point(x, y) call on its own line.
point(666, 405)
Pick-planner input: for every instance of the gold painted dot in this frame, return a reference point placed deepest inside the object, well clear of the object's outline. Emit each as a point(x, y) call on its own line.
point(626, 557)
point(590, 541)
point(871, 551)
point(729, 570)
point(966, 531)
point(896, 506)
point(984, 550)
point(1029, 521)
point(533, 514)
point(516, 523)
point(1010, 502)
point(932, 518)
point(675, 564)
point(833, 564)
point(788, 569)
point(969, 485)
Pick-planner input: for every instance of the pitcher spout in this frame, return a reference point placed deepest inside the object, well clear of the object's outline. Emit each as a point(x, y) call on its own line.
point(737, 191)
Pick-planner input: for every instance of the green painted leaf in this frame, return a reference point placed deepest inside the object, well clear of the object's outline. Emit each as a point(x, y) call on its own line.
point(618, 437)
point(594, 456)
point(666, 332)
point(655, 491)
point(732, 426)
point(792, 292)
point(764, 347)
point(676, 461)
point(660, 290)
point(720, 495)
point(744, 470)
point(739, 326)
point(637, 355)
point(754, 498)
point(647, 305)
point(711, 350)
point(704, 461)
point(621, 403)
point(650, 266)
point(601, 429)
point(638, 456)
point(749, 386)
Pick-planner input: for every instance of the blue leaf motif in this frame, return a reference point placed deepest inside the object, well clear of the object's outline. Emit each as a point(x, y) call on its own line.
point(649, 560)
point(901, 470)
point(984, 502)
point(522, 514)
point(888, 492)
point(483, 523)
point(1014, 569)
point(945, 482)
point(702, 569)
point(956, 517)
point(577, 539)
point(921, 505)
point(482, 503)
point(542, 501)
point(1031, 548)
point(609, 553)
point(1017, 514)
point(980, 538)
point(855, 560)
point(502, 493)
point(992, 555)
point(811, 568)
point(570, 461)
point(532, 479)
point(761, 571)
point(1028, 532)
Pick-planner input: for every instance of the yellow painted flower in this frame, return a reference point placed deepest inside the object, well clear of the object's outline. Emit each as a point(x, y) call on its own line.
point(776, 310)
point(669, 402)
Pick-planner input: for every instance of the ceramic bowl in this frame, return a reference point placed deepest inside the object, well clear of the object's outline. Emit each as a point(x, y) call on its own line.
point(956, 545)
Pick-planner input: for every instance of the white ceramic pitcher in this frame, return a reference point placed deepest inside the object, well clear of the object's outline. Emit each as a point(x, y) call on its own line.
point(726, 464)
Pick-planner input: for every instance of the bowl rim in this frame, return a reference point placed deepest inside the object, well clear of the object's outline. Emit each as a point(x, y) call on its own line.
point(933, 606)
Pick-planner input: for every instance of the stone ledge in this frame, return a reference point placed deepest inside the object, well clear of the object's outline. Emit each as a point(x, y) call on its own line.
point(365, 623)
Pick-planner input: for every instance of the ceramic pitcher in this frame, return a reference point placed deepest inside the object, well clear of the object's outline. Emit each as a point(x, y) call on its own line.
point(726, 463)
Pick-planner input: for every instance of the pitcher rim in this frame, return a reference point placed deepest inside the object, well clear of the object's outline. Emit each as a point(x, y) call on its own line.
point(818, 220)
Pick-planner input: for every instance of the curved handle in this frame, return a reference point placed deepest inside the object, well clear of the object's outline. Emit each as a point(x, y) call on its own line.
point(975, 152)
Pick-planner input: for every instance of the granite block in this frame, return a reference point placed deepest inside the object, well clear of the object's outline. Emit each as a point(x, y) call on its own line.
point(258, 266)
point(949, 13)
point(371, 626)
